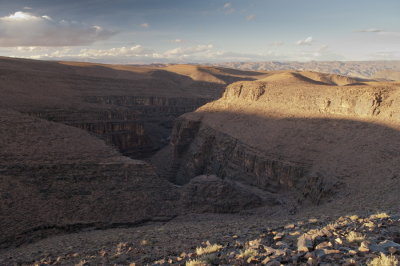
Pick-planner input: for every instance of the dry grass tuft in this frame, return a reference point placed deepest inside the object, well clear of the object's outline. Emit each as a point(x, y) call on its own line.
point(384, 260)
point(354, 217)
point(247, 253)
point(355, 237)
point(381, 215)
point(197, 262)
point(208, 249)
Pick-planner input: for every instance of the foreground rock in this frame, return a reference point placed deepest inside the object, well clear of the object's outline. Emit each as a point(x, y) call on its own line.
point(332, 242)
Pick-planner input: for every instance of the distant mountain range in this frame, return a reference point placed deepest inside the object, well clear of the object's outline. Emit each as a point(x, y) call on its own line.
point(363, 69)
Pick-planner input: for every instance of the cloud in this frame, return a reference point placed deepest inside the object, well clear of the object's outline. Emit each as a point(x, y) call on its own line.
point(134, 51)
point(380, 32)
point(182, 52)
point(228, 8)
point(145, 25)
point(20, 16)
point(177, 41)
point(307, 41)
point(277, 43)
point(371, 30)
point(250, 17)
point(27, 29)
point(28, 8)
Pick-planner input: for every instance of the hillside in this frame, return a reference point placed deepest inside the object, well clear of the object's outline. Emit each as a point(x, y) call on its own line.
point(246, 160)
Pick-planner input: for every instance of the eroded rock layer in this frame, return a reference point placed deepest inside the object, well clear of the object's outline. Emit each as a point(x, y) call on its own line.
point(297, 132)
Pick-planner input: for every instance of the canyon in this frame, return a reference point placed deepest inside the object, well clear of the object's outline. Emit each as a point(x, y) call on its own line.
point(91, 149)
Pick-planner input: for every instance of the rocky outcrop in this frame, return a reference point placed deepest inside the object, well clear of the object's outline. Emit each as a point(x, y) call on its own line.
point(199, 149)
point(213, 194)
point(41, 200)
point(137, 125)
point(293, 133)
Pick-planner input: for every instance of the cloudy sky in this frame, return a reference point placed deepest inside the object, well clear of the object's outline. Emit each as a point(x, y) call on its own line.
point(177, 31)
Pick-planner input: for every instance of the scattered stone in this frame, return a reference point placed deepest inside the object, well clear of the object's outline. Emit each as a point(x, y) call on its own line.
point(364, 246)
point(339, 241)
point(304, 243)
point(273, 263)
point(290, 226)
point(323, 245)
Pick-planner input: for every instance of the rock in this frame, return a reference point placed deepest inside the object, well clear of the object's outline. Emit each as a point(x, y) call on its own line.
point(392, 250)
point(282, 244)
point(290, 226)
point(312, 261)
point(252, 260)
point(304, 243)
point(279, 236)
point(213, 194)
point(339, 241)
point(273, 263)
point(323, 245)
point(364, 246)
point(384, 246)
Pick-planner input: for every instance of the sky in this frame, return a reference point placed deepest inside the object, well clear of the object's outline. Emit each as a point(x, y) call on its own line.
point(200, 31)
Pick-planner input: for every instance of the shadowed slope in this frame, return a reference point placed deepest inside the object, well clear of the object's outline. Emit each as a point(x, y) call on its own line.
point(290, 133)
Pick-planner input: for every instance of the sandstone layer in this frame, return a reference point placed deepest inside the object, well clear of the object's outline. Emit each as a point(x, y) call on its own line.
point(316, 138)
point(63, 127)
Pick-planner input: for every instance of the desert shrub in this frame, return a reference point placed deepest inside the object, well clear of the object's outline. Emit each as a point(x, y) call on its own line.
point(384, 260)
point(208, 249)
point(355, 237)
point(381, 215)
point(197, 262)
point(247, 253)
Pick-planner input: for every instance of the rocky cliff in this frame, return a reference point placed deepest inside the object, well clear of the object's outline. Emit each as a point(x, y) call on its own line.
point(296, 132)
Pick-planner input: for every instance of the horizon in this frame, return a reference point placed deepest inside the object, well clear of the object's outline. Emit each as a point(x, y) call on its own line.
point(212, 31)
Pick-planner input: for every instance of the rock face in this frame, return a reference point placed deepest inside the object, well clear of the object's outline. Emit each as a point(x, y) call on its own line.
point(131, 108)
point(212, 194)
point(296, 132)
point(63, 126)
point(137, 126)
point(57, 178)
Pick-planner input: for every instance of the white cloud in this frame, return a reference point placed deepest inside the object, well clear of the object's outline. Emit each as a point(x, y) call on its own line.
point(177, 41)
point(145, 25)
point(250, 17)
point(307, 41)
point(28, 8)
point(277, 43)
point(380, 32)
point(20, 16)
point(371, 30)
point(227, 5)
point(27, 29)
point(228, 8)
point(182, 52)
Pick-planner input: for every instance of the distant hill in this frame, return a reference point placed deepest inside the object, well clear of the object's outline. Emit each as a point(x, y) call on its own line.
point(361, 69)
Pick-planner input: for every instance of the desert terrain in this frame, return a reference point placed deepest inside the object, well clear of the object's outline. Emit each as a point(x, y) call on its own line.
point(197, 165)
point(386, 70)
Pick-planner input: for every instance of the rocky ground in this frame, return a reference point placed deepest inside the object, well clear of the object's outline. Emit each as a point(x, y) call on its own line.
point(348, 240)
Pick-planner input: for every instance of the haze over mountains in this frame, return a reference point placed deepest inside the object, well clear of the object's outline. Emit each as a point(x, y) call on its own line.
point(363, 69)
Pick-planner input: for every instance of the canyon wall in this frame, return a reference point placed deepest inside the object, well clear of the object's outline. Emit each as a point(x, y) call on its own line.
point(294, 133)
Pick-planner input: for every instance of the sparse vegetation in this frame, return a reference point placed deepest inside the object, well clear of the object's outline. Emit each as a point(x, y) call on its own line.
point(208, 249)
point(247, 253)
point(384, 260)
point(381, 215)
point(196, 262)
point(355, 237)
point(353, 217)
